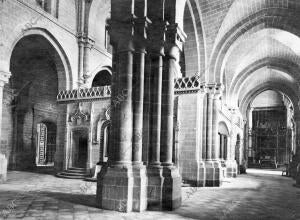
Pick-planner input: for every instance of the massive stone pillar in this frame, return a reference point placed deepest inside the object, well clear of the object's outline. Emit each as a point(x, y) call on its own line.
point(122, 185)
point(115, 182)
point(212, 163)
point(4, 77)
point(172, 179)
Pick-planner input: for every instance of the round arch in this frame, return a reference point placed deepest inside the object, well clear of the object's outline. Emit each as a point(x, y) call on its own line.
point(97, 72)
point(65, 77)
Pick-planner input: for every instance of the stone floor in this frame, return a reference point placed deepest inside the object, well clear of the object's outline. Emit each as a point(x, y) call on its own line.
point(257, 195)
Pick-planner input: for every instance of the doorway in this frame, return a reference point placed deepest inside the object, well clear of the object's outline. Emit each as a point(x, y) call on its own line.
point(80, 148)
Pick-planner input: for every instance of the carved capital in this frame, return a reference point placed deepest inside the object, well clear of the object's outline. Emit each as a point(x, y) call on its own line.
point(157, 37)
point(89, 43)
point(175, 37)
point(141, 26)
point(214, 89)
point(122, 34)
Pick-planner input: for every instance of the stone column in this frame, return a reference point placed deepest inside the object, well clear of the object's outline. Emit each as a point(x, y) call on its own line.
point(215, 120)
point(138, 95)
point(249, 132)
point(172, 178)
point(209, 122)
point(212, 164)
point(80, 59)
point(138, 91)
point(139, 170)
point(157, 63)
point(4, 77)
point(88, 45)
point(115, 182)
point(80, 38)
point(155, 178)
point(203, 132)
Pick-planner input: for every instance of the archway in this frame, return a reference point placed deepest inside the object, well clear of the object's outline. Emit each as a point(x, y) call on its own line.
point(38, 73)
point(223, 140)
point(271, 116)
point(103, 78)
point(79, 148)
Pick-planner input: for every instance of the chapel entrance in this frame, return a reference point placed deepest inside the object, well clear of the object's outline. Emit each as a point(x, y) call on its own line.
point(80, 148)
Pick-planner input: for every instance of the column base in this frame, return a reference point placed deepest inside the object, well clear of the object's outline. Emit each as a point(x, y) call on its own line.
point(155, 185)
point(115, 188)
point(201, 175)
point(140, 182)
point(213, 173)
point(193, 173)
point(3, 168)
point(171, 194)
point(231, 168)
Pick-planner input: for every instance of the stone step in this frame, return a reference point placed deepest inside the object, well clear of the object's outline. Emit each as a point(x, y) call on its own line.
point(73, 173)
point(69, 177)
point(77, 169)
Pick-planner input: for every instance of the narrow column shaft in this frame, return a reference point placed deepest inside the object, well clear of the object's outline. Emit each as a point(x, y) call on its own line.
point(1, 103)
point(157, 63)
point(167, 113)
point(80, 60)
point(215, 147)
point(138, 97)
point(114, 123)
point(204, 130)
point(209, 126)
point(123, 109)
point(86, 59)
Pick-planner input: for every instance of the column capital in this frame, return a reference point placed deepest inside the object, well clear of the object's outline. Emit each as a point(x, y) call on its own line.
point(214, 89)
point(89, 42)
point(80, 37)
point(175, 37)
point(141, 26)
point(85, 40)
point(157, 37)
point(122, 34)
point(4, 77)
